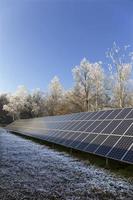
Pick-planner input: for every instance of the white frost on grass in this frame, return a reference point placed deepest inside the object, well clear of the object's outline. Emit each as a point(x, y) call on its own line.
point(35, 170)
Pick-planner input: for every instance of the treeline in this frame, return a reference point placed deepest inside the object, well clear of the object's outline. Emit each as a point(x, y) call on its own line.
point(96, 87)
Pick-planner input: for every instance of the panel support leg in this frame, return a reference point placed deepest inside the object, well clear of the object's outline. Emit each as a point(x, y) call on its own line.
point(53, 146)
point(71, 150)
point(107, 163)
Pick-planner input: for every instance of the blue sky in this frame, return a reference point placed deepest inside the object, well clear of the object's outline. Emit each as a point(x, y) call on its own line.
point(43, 38)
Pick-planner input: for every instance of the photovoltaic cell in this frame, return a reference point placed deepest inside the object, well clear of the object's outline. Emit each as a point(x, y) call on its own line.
point(112, 125)
point(122, 127)
point(106, 113)
point(74, 116)
point(86, 125)
point(77, 126)
point(77, 116)
point(100, 113)
point(89, 116)
point(114, 114)
point(107, 145)
point(58, 137)
point(129, 131)
point(86, 114)
point(123, 113)
point(101, 126)
point(120, 148)
point(77, 141)
point(63, 138)
point(130, 115)
point(84, 143)
point(54, 136)
point(95, 143)
point(93, 126)
point(63, 125)
point(74, 135)
point(69, 125)
point(72, 138)
point(49, 134)
point(66, 137)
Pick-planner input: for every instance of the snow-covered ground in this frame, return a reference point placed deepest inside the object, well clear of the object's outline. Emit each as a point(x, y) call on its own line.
point(32, 171)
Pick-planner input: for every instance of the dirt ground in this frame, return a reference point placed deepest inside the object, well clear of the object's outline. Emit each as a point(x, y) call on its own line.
point(33, 171)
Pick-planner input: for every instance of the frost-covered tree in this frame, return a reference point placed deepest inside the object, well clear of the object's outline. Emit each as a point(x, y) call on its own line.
point(97, 76)
point(120, 69)
point(16, 102)
point(74, 99)
point(37, 103)
point(90, 78)
point(4, 117)
point(55, 96)
point(82, 77)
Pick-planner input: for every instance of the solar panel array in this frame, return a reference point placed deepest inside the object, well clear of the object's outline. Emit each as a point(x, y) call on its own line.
point(106, 133)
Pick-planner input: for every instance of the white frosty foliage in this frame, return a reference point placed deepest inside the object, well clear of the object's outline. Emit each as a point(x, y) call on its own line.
point(17, 102)
point(55, 96)
point(90, 77)
point(121, 69)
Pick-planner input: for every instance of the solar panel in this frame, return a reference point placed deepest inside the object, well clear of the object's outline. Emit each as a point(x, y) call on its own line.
point(69, 140)
point(95, 143)
point(120, 148)
point(92, 126)
point(122, 127)
point(83, 125)
point(107, 145)
point(62, 138)
point(106, 133)
point(86, 125)
point(114, 114)
point(129, 131)
point(123, 113)
point(98, 114)
point(90, 115)
point(111, 126)
point(78, 139)
point(105, 114)
point(130, 115)
point(86, 141)
point(101, 126)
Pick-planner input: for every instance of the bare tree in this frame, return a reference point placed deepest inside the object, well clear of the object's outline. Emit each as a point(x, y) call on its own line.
point(90, 78)
point(74, 99)
point(120, 69)
point(97, 75)
point(55, 96)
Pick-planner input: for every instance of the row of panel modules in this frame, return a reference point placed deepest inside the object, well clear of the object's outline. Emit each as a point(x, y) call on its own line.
point(108, 133)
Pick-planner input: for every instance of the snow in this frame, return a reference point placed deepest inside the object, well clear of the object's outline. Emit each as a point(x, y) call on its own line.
point(29, 170)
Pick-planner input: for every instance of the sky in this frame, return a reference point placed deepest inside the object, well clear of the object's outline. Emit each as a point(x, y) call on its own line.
point(43, 38)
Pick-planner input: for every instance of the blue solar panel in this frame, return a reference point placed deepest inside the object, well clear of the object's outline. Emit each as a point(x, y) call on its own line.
point(105, 133)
